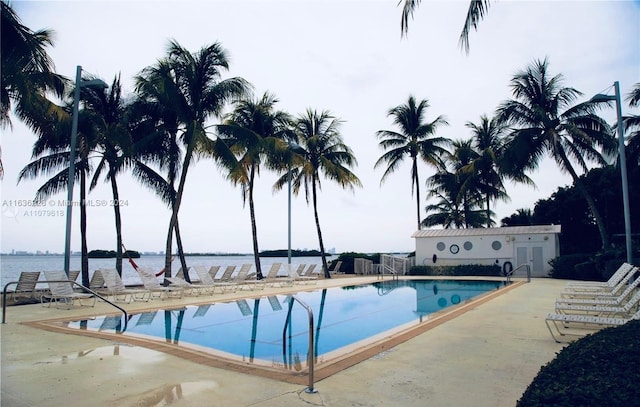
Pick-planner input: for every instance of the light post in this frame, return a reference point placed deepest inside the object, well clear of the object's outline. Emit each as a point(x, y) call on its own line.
point(623, 164)
point(72, 159)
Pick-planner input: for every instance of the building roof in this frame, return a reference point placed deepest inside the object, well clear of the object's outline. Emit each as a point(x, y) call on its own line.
point(511, 230)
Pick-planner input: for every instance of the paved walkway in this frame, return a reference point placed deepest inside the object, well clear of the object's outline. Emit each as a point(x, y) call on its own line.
point(485, 357)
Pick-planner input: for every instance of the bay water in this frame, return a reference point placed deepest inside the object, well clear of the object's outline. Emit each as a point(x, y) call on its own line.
point(12, 265)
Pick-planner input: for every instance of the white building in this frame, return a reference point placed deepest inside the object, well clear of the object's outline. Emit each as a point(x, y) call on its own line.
point(508, 247)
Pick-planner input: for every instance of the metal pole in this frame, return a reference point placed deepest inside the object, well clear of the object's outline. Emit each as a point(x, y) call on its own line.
point(623, 171)
point(72, 169)
point(289, 217)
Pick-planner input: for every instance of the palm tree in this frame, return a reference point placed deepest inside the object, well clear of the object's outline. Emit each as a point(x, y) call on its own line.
point(459, 198)
point(27, 73)
point(321, 151)
point(476, 12)
point(446, 212)
point(191, 86)
point(114, 145)
point(414, 139)
point(484, 169)
point(253, 131)
point(27, 70)
point(632, 123)
point(155, 128)
point(51, 154)
point(545, 123)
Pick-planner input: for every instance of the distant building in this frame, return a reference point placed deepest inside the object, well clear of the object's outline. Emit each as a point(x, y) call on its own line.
point(508, 247)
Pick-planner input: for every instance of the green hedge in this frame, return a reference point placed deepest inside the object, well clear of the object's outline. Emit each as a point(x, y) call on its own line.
point(460, 270)
point(565, 266)
point(598, 370)
point(598, 267)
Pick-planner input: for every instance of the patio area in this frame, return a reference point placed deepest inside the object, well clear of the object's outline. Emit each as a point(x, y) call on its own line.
point(486, 356)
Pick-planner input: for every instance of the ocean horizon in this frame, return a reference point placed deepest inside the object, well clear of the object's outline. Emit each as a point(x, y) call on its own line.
point(12, 265)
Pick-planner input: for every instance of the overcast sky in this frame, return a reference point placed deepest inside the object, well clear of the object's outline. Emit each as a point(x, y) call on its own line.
point(344, 56)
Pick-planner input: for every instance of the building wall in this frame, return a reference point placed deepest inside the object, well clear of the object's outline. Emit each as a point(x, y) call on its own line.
point(489, 249)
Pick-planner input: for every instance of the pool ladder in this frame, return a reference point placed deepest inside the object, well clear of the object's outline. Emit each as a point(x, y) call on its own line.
point(311, 358)
point(522, 266)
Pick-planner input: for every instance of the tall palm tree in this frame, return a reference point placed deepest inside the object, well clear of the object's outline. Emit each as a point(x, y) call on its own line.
point(484, 169)
point(478, 9)
point(190, 84)
point(321, 152)
point(545, 123)
point(27, 74)
point(415, 138)
point(155, 131)
point(253, 131)
point(114, 145)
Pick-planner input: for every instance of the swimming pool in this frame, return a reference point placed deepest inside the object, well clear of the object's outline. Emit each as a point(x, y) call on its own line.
point(273, 331)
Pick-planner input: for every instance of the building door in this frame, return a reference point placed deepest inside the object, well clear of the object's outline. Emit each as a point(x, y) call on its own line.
point(533, 256)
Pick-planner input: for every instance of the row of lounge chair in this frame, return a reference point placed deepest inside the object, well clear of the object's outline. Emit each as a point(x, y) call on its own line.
point(584, 307)
point(108, 283)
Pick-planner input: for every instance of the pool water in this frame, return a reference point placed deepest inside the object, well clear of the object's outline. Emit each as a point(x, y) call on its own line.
point(274, 329)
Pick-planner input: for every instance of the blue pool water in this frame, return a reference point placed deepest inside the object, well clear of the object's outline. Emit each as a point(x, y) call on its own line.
point(253, 329)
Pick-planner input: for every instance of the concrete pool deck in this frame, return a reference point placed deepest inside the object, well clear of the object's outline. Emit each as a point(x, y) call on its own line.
point(485, 357)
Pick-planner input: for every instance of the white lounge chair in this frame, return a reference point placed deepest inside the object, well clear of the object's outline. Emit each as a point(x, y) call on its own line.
point(117, 289)
point(311, 271)
point(213, 272)
point(612, 282)
point(563, 323)
point(61, 291)
point(600, 291)
point(206, 279)
point(605, 300)
point(297, 278)
point(273, 279)
point(151, 283)
point(336, 268)
point(190, 288)
point(241, 280)
point(601, 310)
point(26, 287)
point(226, 275)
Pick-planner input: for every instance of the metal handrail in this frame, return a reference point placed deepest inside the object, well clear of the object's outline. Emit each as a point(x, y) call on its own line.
point(392, 272)
point(311, 358)
point(525, 266)
point(4, 298)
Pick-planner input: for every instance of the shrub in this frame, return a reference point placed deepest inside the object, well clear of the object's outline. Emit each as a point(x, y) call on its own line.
point(459, 270)
point(597, 370)
point(565, 266)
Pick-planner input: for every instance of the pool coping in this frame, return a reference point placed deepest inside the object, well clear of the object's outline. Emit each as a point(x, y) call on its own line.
point(353, 355)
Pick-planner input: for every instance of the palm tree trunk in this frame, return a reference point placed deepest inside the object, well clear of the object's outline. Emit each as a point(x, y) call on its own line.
point(417, 182)
point(116, 211)
point(315, 214)
point(183, 259)
point(254, 229)
point(168, 249)
point(84, 252)
point(176, 204)
point(488, 212)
